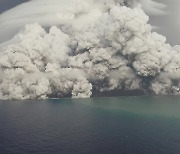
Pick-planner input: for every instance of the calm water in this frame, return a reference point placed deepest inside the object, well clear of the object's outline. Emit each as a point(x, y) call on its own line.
point(126, 125)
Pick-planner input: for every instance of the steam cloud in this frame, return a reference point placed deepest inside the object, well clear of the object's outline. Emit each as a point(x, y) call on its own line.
point(95, 46)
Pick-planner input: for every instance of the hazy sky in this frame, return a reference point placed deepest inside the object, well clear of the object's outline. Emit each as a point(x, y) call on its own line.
point(168, 24)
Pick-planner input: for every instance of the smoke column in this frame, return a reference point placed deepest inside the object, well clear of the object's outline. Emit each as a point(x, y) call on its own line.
point(94, 46)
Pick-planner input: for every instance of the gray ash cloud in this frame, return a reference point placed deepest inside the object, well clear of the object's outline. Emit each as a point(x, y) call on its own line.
point(97, 48)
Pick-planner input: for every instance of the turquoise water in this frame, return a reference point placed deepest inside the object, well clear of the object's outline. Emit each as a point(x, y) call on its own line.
point(124, 125)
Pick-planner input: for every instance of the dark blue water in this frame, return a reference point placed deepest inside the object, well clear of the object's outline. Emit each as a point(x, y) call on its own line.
point(126, 125)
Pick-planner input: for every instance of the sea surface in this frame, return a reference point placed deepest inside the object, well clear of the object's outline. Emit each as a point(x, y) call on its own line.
point(122, 125)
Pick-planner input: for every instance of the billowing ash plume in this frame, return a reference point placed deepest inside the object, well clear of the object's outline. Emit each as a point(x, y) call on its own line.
point(58, 12)
point(109, 48)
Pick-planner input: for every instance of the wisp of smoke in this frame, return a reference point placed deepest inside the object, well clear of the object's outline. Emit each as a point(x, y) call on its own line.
point(94, 47)
point(149, 6)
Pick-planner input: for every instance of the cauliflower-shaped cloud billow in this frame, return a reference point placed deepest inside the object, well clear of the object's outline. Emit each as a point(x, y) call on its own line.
point(116, 51)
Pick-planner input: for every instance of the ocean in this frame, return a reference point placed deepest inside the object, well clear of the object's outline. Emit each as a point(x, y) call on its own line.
point(116, 125)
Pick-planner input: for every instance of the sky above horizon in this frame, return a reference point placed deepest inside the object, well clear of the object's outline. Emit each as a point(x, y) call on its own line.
point(168, 24)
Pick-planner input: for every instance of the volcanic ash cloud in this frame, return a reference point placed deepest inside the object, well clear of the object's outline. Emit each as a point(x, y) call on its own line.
point(115, 51)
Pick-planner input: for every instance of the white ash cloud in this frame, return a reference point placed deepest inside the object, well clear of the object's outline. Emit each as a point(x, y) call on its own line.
point(58, 12)
point(110, 49)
